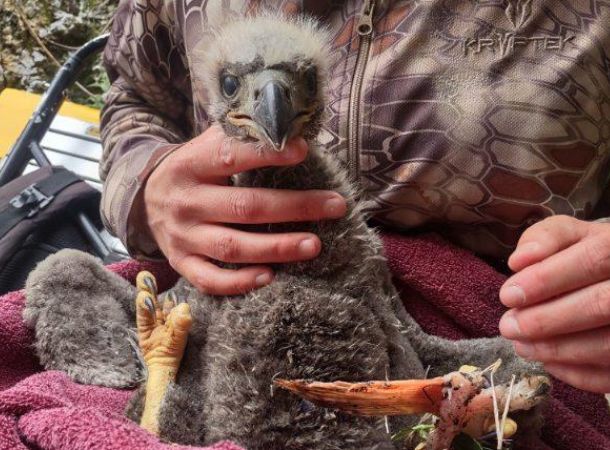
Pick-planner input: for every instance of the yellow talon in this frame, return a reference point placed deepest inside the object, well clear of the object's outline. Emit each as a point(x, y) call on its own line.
point(162, 336)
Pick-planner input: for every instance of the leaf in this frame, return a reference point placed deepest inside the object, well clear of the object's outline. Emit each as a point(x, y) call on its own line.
point(401, 435)
point(422, 430)
point(423, 427)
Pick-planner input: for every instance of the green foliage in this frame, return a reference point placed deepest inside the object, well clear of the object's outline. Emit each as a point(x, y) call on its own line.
point(34, 33)
point(418, 433)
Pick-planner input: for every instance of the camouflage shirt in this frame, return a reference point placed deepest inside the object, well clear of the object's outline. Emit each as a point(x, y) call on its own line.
point(475, 117)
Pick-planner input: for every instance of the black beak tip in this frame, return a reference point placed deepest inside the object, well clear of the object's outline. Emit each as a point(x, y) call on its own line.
point(274, 113)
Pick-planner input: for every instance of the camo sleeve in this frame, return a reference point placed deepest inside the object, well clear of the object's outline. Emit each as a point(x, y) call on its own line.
point(144, 117)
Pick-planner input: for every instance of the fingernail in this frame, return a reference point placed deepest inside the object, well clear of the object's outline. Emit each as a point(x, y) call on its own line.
point(512, 295)
point(307, 247)
point(263, 279)
point(509, 327)
point(288, 153)
point(527, 248)
point(226, 154)
point(335, 207)
point(530, 247)
point(524, 349)
point(294, 149)
point(300, 143)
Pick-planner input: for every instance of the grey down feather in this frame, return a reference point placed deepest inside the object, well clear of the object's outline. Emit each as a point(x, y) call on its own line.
point(336, 317)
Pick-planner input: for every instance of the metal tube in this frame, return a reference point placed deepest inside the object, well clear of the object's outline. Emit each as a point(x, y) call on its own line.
point(38, 154)
point(95, 239)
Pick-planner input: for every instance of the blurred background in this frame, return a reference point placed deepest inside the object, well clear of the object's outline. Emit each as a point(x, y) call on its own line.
point(36, 37)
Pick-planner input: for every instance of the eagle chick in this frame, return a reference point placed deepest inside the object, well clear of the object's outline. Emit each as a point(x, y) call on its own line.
point(336, 317)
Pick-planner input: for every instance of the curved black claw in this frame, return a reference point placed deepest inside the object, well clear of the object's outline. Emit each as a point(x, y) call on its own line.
point(150, 284)
point(150, 305)
point(172, 297)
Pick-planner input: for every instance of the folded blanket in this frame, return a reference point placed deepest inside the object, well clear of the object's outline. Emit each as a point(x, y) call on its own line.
point(448, 290)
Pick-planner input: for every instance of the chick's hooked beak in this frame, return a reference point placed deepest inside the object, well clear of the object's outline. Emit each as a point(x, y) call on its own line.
point(274, 113)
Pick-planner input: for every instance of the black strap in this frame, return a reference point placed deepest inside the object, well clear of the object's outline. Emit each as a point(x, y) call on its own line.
point(61, 179)
point(35, 197)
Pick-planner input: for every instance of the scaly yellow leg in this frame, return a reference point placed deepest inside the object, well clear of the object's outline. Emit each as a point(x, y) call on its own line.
point(162, 336)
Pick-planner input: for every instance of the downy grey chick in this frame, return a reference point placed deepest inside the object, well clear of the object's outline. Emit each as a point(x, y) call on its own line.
point(336, 317)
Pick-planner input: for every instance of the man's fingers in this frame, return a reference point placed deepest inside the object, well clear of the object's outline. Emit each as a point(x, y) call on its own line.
point(581, 310)
point(213, 154)
point(213, 280)
point(546, 238)
point(582, 264)
point(586, 347)
point(588, 378)
point(235, 246)
point(221, 204)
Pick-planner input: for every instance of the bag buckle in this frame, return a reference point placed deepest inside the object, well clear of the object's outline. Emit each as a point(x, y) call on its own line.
point(32, 199)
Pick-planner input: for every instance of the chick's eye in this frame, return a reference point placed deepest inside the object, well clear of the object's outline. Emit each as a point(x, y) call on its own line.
point(311, 81)
point(229, 84)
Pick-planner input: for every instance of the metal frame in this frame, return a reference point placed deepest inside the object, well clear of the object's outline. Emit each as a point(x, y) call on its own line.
point(28, 146)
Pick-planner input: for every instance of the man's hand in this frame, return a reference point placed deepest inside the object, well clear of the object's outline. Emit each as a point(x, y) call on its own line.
point(187, 202)
point(561, 299)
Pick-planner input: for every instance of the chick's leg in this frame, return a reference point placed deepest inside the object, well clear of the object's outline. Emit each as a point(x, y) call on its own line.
point(162, 336)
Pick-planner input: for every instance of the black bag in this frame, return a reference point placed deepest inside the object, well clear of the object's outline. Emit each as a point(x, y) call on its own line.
point(38, 217)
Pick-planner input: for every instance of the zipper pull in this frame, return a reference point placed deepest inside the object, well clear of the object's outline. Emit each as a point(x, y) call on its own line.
point(365, 24)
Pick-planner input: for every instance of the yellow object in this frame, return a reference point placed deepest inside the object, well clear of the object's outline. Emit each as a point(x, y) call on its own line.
point(162, 339)
point(16, 108)
point(510, 427)
point(469, 369)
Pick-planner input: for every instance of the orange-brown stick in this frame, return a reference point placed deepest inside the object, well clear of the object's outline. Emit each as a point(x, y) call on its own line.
point(373, 398)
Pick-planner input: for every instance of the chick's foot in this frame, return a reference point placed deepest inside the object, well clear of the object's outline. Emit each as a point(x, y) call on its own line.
point(162, 337)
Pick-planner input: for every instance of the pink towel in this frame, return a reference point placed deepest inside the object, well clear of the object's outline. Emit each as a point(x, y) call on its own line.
point(47, 411)
point(449, 291)
point(454, 294)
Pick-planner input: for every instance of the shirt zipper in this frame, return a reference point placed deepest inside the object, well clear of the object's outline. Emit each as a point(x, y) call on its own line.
point(365, 31)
